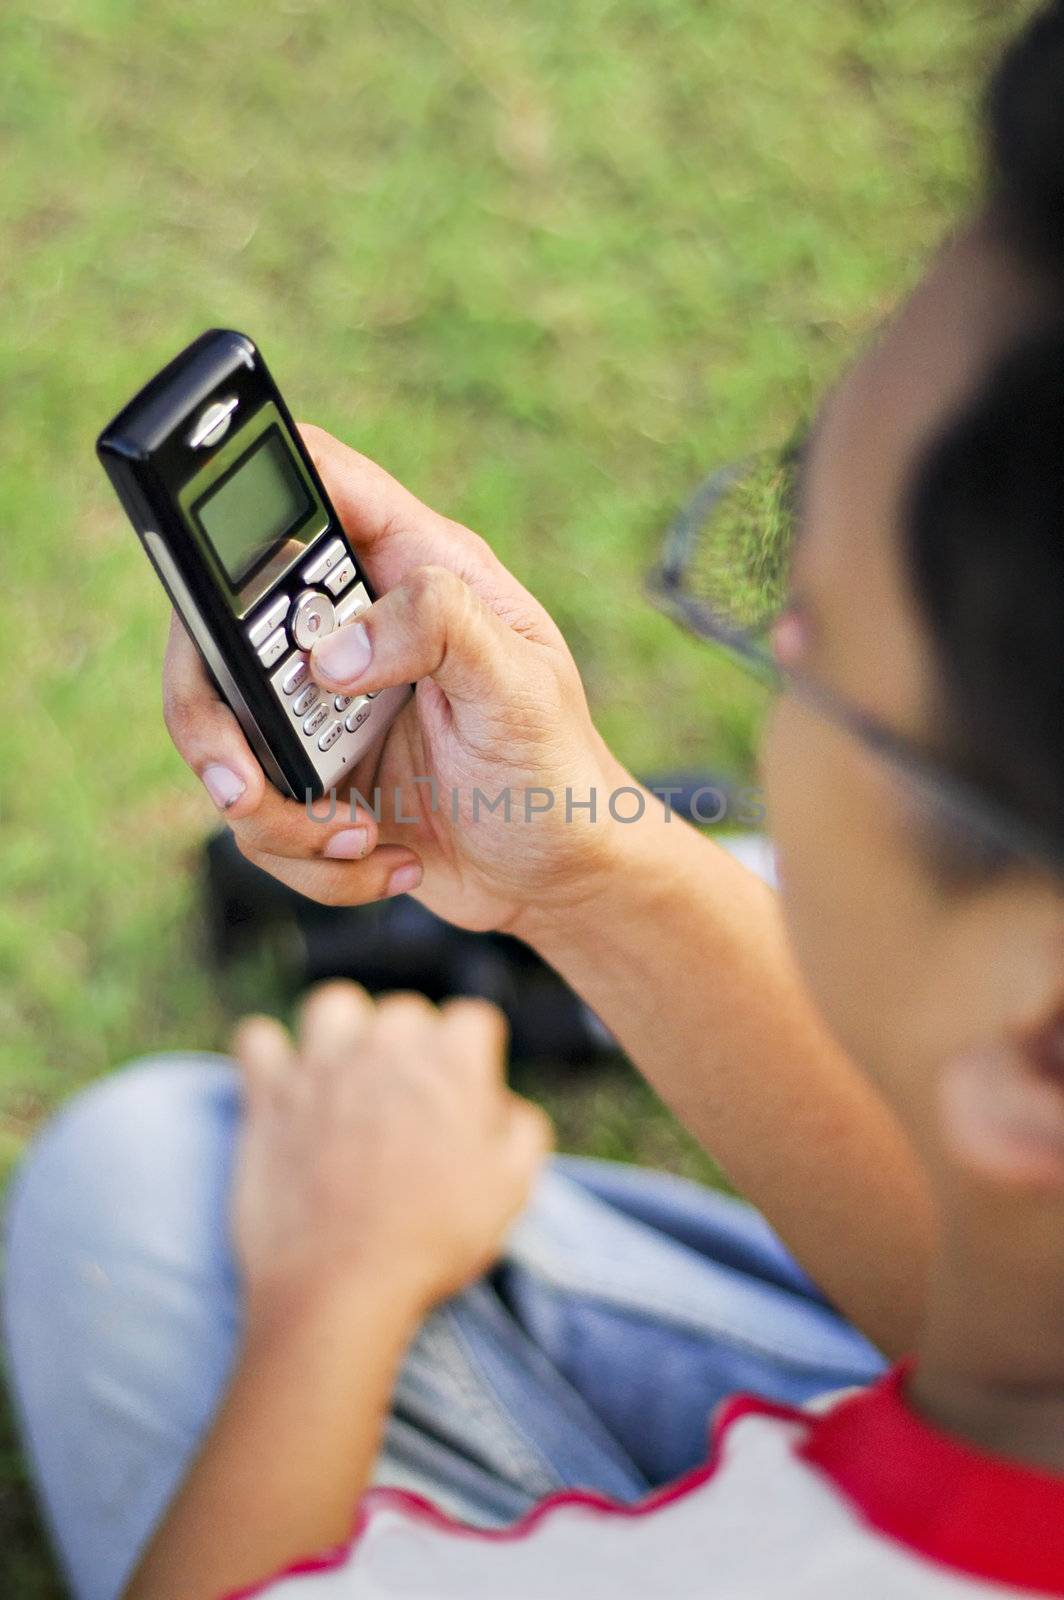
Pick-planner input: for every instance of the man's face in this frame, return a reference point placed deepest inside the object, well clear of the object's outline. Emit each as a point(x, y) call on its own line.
point(877, 932)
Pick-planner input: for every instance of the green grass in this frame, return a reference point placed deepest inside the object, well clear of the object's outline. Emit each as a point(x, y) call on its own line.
point(548, 262)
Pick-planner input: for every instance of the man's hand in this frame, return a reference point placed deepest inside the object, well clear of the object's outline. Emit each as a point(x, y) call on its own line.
point(499, 711)
point(380, 1161)
point(382, 1148)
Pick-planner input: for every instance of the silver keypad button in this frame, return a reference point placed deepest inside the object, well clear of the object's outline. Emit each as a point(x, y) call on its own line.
point(316, 718)
point(333, 553)
point(312, 618)
point(266, 621)
point(357, 714)
point(342, 702)
point(295, 678)
point(275, 647)
point(330, 736)
point(340, 576)
point(358, 600)
point(303, 702)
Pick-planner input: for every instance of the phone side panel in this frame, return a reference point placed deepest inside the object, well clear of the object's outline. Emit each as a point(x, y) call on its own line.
point(264, 724)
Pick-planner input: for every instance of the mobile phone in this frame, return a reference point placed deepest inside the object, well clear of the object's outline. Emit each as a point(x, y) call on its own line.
point(234, 518)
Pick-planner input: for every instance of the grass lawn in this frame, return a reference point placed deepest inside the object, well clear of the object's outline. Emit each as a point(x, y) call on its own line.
point(548, 262)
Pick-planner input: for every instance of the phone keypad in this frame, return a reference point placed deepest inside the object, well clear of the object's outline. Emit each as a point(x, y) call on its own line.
point(340, 576)
point(317, 717)
point(358, 600)
point(305, 699)
point(295, 677)
point(331, 556)
point(357, 714)
point(333, 725)
point(275, 647)
point(266, 621)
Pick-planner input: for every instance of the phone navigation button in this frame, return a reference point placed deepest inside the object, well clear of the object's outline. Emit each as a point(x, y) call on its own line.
point(312, 618)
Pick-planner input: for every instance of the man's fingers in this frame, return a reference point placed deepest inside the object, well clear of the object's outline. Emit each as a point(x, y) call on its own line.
point(476, 1035)
point(264, 1051)
point(205, 731)
point(384, 521)
point(396, 533)
point(290, 828)
point(431, 625)
point(372, 505)
point(333, 1019)
point(390, 870)
point(209, 738)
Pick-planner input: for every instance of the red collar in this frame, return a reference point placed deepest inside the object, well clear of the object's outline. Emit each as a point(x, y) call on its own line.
point(974, 1512)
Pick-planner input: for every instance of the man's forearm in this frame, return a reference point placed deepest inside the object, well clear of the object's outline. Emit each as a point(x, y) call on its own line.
point(683, 955)
point(290, 1451)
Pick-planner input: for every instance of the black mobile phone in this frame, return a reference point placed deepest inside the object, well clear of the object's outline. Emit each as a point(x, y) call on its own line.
point(226, 501)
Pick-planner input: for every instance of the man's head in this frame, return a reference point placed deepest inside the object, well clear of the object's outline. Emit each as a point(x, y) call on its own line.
point(929, 588)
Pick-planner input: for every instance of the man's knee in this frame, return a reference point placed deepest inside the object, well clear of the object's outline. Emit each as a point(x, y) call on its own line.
point(124, 1152)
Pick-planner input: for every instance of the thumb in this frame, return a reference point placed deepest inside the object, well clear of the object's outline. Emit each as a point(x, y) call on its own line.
point(431, 625)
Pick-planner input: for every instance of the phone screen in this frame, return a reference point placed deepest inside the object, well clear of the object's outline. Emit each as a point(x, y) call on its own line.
point(254, 506)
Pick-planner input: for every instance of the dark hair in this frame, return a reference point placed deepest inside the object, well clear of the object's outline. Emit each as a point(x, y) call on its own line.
point(985, 520)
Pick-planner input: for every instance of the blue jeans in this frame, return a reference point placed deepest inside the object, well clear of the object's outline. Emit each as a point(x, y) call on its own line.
point(626, 1305)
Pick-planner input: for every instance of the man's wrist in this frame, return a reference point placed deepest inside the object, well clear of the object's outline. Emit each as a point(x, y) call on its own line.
point(291, 1311)
point(629, 850)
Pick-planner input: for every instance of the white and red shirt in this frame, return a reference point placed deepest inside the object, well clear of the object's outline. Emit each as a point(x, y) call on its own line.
point(863, 1502)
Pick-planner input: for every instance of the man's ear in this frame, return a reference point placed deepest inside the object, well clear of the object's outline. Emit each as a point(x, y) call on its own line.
point(1001, 1099)
point(1003, 1109)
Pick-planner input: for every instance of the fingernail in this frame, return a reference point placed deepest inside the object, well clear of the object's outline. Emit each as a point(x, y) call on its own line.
point(345, 654)
point(403, 879)
point(223, 786)
point(347, 845)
